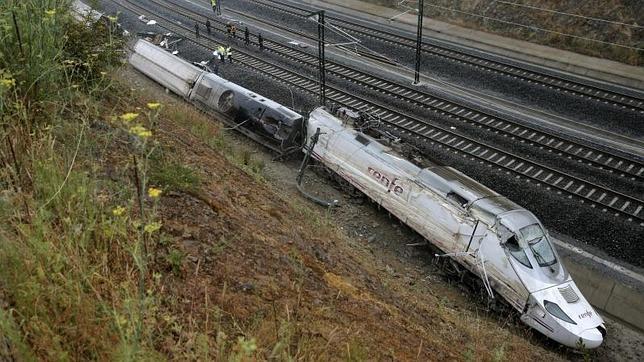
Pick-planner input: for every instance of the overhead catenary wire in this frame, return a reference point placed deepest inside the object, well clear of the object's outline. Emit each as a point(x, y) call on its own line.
point(535, 28)
point(569, 14)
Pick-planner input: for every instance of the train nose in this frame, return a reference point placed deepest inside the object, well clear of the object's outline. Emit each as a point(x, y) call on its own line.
point(591, 338)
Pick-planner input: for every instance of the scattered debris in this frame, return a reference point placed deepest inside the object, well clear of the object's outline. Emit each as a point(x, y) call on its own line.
point(167, 41)
point(147, 21)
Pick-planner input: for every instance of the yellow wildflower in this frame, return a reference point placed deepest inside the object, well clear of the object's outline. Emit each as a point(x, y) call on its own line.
point(154, 192)
point(140, 131)
point(121, 320)
point(7, 82)
point(50, 12)
point(154, 106)
point(152, 227)
point(112, 18)
point(128, 117)
point(118, 211)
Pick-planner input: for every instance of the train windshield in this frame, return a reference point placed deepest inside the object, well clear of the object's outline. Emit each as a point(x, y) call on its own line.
point(539, 244)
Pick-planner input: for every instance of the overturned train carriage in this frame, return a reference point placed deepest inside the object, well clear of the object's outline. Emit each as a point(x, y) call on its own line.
point(497, 240)
point(262, 119)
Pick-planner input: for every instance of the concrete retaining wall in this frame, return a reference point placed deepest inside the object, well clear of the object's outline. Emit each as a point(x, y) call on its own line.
point(608, 294)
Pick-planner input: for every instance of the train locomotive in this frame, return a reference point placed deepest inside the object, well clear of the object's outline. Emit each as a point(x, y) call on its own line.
point(497, 240)
point(257, 117)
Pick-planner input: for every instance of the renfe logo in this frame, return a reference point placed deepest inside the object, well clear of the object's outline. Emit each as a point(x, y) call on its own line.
point(586, 314)
point(384, 180)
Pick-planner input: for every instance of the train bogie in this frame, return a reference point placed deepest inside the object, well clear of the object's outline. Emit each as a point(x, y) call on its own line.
point(246, 108)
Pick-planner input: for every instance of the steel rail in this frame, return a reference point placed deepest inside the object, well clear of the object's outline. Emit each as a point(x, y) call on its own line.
point(595, 195)
point(582, 90)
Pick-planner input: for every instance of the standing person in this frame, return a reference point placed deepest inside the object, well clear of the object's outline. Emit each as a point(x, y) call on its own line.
point(229, 52)
point(260, 40)
point(222, 53)
point(216, 6)
point(212, 64)
point(246, 36)
point(208, 26)
point(197, 29)
point(233, 30)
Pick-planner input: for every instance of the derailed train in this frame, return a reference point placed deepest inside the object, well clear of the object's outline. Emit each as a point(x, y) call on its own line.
point(258, 117)
point(495, 239)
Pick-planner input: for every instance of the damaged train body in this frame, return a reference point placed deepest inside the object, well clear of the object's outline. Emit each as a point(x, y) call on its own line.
point(259, 118)
point(500, 242)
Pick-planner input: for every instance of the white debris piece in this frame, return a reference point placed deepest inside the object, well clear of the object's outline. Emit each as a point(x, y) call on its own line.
point(298, 44)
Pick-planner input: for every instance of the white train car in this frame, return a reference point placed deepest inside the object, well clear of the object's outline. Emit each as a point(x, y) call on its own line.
point(497, 240)
point(256, 116)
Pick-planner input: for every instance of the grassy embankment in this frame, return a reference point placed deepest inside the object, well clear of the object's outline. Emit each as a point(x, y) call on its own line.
point(133, 230)
point(618, 11)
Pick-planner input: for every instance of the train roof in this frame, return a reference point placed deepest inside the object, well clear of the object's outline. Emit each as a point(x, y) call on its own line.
point(486, 203)
point(171, 71)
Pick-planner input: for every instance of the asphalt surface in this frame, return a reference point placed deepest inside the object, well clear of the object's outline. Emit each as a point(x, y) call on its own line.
point(603, 232)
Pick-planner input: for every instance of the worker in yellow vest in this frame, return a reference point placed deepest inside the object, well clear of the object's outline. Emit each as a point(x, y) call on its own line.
point(216, 6)
point(222, 53)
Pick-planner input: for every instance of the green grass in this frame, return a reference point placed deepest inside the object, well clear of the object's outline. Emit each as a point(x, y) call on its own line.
point(174, 176)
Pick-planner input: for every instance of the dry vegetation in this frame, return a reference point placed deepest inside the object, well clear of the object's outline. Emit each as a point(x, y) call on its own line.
point(153, 237)
point(622, 11)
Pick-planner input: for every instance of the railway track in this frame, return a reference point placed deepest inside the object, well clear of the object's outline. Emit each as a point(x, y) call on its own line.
point(592, 92)
point(597, 196)
point(560, 146)
point(619, 165)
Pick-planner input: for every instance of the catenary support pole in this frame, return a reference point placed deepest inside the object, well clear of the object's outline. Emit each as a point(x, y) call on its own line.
point(419, 40)
point(321, 60)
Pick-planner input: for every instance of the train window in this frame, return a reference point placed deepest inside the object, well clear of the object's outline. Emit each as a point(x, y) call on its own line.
point(362, 139)
point(517, 252)
point(539, 245)
point(458, 199)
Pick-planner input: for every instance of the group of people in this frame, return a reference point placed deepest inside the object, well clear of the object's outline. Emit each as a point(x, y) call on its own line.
point(231, 29)
point(225, 52)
